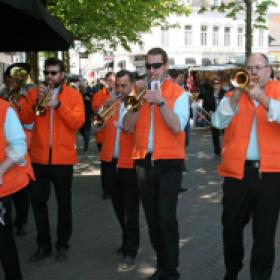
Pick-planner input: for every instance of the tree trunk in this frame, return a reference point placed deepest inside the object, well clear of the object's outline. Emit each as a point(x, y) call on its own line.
point(248, 32)
point(32, 59)
point(66, 60)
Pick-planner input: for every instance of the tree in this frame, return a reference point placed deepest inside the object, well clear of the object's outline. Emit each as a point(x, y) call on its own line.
point(97, 23)
point(254, 12)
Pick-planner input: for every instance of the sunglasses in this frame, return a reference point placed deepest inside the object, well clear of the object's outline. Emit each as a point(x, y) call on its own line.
point(53, 73)
point(153, 65)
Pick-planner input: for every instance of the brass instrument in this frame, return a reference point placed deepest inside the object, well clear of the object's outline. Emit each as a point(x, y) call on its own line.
point(20, 75)
point(40, 108)
point(240, 78)
point(133, 103)
point(100, 118)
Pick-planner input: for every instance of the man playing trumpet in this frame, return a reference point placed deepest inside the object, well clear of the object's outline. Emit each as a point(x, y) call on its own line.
point(53, 154)
point(159, 153)
point(251, 167)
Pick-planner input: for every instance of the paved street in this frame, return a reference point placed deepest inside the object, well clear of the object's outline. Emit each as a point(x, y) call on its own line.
point(96, 233)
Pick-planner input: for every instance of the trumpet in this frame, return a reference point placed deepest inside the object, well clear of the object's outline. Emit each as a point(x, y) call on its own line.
point(240, 78)
point(100, 118)
point(133, 103)
point(40, 108)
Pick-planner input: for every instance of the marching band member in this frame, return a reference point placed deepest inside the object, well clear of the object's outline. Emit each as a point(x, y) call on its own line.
point(17, 86)
point(159, 153)
point(251, 167)
point(15, 173)
point(58, 114)
point(98, 100)
point(119, 173)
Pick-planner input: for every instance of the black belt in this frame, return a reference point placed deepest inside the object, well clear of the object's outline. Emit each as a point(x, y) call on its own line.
point(252, 163)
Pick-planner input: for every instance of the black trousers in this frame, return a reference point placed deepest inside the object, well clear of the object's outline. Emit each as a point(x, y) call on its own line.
point(8, 250)
point(256, 197)
point(61, 177)
point(216, 140)
point(121, 184)
point(103, 186)
point(159, 184)
point(85, 132)
point(22, 203)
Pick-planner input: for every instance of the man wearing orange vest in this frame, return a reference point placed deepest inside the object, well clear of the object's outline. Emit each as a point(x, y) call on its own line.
point(159, 153)
point(15, 173)
point(251, 167)
point(53, 154)
point(17, 85)
point(97, 102)
point(119, 173)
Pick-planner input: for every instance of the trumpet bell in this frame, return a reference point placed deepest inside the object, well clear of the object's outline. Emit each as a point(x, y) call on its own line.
point(240, 79)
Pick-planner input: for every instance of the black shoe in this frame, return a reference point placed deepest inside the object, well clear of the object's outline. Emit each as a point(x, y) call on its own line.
point(41, 254)
point(21, 230)
point(128, 263)
point(158, 275)
point(61, 255)
point(183, 189)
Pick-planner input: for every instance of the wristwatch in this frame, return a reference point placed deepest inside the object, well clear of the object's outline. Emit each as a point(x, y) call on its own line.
point(161, 103)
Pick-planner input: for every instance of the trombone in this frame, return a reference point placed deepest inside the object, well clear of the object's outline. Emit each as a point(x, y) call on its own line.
point(100, 118)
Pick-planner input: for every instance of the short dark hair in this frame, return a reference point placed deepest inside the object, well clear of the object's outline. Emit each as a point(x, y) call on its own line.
point(160, 51)
point(173, 73)
point(55, 61)
point(123, 73)
point(109, 74)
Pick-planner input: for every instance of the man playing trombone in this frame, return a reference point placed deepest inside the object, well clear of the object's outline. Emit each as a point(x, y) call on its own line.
point(250, 115)
point(118, 170)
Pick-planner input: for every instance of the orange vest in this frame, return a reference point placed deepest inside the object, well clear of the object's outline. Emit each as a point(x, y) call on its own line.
point(237, 136)
point(167, 145)
point(17, 177)
point(67, 119)
point(96, 103)
point(126, 143)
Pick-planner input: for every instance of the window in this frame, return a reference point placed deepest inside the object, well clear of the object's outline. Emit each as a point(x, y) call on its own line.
point(215, 37)
point(164, 36)
point(227, 37)
point(203, 35)
point(206, 61)
point(171, 61)
point(261, 37)
point(240, 37)
point(216, 2)
point(190, 60)
point(188, 35)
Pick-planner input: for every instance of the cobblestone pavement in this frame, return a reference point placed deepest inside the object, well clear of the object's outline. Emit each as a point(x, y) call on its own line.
point(96, 234)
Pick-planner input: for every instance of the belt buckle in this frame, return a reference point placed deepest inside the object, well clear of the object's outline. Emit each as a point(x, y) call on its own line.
point(256, 164)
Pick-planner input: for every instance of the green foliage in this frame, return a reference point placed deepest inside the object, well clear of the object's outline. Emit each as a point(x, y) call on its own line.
point(233, 9)
point(251, 9)
point(113, 22)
